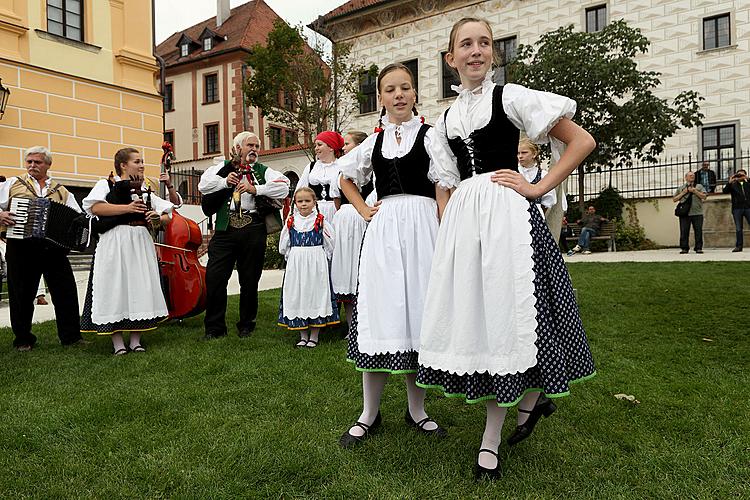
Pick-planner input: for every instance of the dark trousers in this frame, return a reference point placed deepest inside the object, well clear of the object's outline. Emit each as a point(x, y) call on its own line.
point(247, 248)
point(28, 260)
point(697, 222)
point(737, 215)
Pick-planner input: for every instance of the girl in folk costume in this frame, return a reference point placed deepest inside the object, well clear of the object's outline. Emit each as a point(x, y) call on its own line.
point(528, 165)
point(501, 323)
point(124, 290)
point(350, 228)
point(307, 301)
point(322, 175)
point(396, 251)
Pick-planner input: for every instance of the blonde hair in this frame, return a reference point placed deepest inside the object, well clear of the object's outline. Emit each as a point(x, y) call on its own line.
point(467, 20)
point(357, 136)
point(531, 145)
point(304, 189)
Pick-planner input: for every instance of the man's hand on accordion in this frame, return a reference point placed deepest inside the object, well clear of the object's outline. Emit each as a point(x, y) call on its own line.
point(7, 219)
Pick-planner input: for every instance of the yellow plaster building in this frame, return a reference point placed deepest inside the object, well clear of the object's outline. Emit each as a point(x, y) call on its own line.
point(82, 80)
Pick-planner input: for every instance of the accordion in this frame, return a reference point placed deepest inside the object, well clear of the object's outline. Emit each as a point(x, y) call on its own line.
point(52, 221)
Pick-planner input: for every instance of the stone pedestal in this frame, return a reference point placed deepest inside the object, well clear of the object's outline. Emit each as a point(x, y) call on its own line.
point(718, 225)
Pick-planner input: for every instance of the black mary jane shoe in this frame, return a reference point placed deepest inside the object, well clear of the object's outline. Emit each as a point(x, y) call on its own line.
point(544, 406)
point(484, 473)
point(437, 431)
point(348, 440)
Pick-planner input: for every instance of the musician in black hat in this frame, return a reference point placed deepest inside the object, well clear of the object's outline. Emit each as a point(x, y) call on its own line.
point(30, 259)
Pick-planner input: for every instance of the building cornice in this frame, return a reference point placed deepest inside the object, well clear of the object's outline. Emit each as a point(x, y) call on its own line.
point(385, 16)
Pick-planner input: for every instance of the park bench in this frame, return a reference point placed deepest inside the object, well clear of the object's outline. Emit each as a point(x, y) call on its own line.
point(607, 232)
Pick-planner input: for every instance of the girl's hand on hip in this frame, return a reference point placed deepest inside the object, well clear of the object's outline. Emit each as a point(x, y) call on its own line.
point(515, 181)
point(369, 212)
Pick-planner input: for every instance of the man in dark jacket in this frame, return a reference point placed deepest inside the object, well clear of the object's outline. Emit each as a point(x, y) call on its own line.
point(739, 187)
point(591, 224)
point(706, 177)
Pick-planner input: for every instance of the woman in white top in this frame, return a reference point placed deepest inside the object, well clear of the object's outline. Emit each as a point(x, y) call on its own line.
point(501, 324)
point(322, 175)
point(124, 291)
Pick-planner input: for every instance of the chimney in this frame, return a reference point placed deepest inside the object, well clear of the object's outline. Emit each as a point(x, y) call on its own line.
point(222, 12)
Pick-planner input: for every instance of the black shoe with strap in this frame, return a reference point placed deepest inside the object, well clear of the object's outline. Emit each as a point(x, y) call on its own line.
point(349, 440)
point(544, 406)
point(437, 431)
point(485, 473)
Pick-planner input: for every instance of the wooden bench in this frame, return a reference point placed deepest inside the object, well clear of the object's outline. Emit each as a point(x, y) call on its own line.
point(607, 232)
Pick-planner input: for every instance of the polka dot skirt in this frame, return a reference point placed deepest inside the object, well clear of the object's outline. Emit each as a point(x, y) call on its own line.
point(563, 355)
point(398, 362)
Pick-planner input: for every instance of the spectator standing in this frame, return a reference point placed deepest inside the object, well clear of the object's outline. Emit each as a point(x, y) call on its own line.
point(706, 177)
point(694, 217)
point(739, 188)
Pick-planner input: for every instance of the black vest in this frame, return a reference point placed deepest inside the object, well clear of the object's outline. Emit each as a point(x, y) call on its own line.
point(365, 192)
point(318, 188)
point(492, 147)
point(404, 175)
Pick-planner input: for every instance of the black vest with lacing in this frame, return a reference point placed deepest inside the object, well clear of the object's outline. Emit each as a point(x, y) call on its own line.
point(492, 147)
point(406, 174)
point(365, 192)
point(318, 188)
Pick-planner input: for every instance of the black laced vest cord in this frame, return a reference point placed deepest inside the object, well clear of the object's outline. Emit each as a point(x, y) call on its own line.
point(492, 147)
point(406, 174)
point(318, 189)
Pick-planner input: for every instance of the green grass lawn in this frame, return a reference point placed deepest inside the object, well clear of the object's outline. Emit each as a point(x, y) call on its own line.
point(256, 418)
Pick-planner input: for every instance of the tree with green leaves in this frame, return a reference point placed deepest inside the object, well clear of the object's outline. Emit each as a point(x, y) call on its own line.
point(299, 86)
point(616, 101)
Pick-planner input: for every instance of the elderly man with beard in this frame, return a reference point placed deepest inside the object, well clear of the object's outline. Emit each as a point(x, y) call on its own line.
point(30, 259)
point(240, 235)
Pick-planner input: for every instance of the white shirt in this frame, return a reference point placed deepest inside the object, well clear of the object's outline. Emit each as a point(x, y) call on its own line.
point(322, 174)
point(276, 186)
point(549, 198)
point(40, 191)
point(356, 165)
point(532, 111)
point(303, 224)
point(101, 189)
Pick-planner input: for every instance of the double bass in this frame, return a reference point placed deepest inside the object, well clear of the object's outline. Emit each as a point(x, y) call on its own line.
point(183, 277)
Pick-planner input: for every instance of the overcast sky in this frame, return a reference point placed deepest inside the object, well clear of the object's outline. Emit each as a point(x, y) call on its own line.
point(176, 15)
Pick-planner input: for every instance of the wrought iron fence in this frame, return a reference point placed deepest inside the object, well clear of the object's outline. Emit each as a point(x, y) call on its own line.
point(652, 180)
point(186, 182)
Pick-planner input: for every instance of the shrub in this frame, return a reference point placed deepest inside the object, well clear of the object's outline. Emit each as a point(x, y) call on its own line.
point(273, 259)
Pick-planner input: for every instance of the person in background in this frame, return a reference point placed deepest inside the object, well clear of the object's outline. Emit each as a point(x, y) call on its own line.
point(706, 177)
point(739, 188)
point(591, 224)
point(694, 218)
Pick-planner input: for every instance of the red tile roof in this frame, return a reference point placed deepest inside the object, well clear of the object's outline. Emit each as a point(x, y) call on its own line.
point(351, 6)
point(248, 24)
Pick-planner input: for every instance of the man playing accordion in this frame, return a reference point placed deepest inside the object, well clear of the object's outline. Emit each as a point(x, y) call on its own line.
point(30, 258)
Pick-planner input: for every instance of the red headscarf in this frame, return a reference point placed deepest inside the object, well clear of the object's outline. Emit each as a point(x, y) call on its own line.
point(334, 140)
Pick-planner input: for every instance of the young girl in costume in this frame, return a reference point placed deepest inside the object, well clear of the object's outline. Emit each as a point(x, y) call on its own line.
point(322, 175)
point(501, 325)
point(396, 251)
point(307, 302)
point(528, 165)
point(124, 290)
point(350, 228)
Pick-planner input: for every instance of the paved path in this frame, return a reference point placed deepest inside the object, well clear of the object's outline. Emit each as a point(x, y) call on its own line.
point(272, 279)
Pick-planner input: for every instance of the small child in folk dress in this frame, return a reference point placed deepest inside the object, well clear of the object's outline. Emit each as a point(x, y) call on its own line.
point(350, 228)
point(528, 165)
point(501, 325)
point(396, 256)
point(306, 241)
point(124, 291)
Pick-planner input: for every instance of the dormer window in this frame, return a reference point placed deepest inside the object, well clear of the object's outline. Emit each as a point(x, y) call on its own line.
point(186, 45)
point(208, 43)
point(184, 50)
